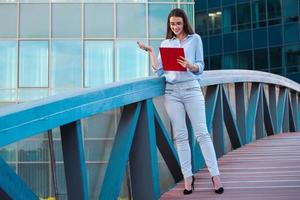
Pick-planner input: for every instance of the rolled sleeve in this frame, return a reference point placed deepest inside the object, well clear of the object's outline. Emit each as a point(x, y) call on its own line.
point(199, 60)
point(159, 71)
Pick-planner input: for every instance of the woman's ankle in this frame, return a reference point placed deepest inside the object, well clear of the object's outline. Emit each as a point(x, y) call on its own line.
point(187, 182)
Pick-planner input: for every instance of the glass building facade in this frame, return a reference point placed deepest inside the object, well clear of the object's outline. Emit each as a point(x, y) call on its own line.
point(251, 34)
point(49, 47)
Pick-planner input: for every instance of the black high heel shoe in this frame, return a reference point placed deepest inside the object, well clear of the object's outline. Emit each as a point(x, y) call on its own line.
point(220, 190)
point(186, 192)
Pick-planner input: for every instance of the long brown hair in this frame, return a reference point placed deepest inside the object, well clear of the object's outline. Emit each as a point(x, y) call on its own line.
point(187, 28)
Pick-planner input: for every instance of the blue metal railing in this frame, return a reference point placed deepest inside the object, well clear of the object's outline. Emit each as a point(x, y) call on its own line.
point(263, 104)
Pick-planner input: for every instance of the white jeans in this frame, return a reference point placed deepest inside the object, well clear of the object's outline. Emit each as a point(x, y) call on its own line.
point(182, 98)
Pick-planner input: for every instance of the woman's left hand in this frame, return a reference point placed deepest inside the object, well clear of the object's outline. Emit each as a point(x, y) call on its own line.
point(186, 64)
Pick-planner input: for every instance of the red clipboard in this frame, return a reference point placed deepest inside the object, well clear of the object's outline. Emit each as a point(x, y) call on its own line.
point(169, 56)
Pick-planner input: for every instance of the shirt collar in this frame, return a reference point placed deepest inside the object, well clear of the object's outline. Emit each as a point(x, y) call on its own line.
point(189, 35)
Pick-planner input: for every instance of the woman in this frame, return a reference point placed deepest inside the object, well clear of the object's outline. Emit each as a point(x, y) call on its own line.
point(183, 95)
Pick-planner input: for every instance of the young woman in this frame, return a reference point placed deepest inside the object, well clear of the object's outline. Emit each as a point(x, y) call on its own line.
point(183, 95)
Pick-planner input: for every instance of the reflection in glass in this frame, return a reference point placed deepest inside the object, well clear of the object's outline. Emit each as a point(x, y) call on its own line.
point(258, 13)
point(158, 15)
point(99, 20)
point(276, 57)
point(98, 63)
point(95, 176)
point(66, 69)
point(201, 20)
point(274, 8)
point(215, 17)
point(33, 64)
point(61, 180)
point(245, 60)
point(230, 61)
point(8, 20)
point(131, 20)
point(102, 125)
point(33, 150)
point(292, 55)
point(229, 19)
point(243, 16)
point(98, 150)
point(216, 62)
point(36, 176)
point(8, 153)
point(131, 61)
point(66, 20)
point(291, 32)
point(291, 10)
point(30, 24)
point(261, 59)
point(8, 63)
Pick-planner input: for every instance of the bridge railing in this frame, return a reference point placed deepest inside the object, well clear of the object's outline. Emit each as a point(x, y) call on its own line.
point(241, 106)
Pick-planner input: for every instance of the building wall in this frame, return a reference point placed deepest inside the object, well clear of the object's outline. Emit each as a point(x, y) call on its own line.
point(53, 46)
point(250, 34)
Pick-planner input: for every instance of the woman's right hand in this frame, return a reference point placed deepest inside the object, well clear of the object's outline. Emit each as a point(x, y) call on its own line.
point(144, 47)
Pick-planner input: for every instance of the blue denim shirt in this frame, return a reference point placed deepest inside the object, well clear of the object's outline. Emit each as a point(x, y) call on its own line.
point(193, 51)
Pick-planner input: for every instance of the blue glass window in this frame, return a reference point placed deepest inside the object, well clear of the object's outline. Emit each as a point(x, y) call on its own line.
point(33, 64)
point(33, 150)
point(291, 10)
point(274, 11)
point(66, 20)
point(98, 63)
point(131, 20)
point(66, 69)
point(260, 38)
point(229, 42)
point(8, 20)
point(292, 55)
point(230, 61)
point(215, 19)
point(259, 13)
point(243, 16)
point(244, 40)
point(131, 61)
point(228, 2)
point(291, 32)
point(200, 5)
point(8, 153)
point(37, 176)
point(205, 45)
point(215, 45)
point(245, 60)
point(158, 15)
point(8, 63)
point(275, 57)
point(30, 24)
point(215, 62)
point(229, 19)
point(214, 3)
point(104, 26)
point(201, 20)
point(261, 59)
point(275, 35)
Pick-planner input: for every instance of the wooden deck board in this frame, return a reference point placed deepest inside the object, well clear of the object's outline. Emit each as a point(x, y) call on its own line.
point(267, 169)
